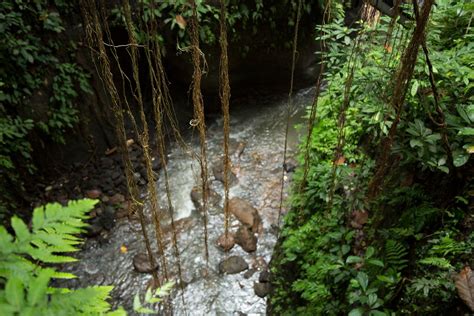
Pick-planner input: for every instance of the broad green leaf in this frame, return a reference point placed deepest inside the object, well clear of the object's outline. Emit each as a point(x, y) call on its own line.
point(375, 262)
point(363, 280)
point(354, 259)
point(415, 142)
point(467, 131)
point(356, 312)
point(369, 252)
point(460, 158)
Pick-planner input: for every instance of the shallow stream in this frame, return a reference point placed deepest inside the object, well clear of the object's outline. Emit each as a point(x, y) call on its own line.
point(257, 140)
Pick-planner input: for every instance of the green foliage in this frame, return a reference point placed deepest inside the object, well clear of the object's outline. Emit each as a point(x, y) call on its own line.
point(25, 273)
point(39, 86)
point(151, 297)
point(244, 18)
point(401, 260)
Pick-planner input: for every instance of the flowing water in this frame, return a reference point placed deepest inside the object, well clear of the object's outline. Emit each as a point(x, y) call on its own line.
point(257, 138)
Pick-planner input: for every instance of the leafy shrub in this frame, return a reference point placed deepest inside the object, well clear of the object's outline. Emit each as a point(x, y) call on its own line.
point(401, 259)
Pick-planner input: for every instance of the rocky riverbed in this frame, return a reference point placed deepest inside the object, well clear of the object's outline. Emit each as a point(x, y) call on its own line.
point(232, 282)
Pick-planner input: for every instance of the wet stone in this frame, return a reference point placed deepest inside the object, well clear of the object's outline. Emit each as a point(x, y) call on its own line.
point(141, 263)
point(196, 197)
point(233, 265)
point(264, 276)
point(218, 171)
point(249, 273)
point(246, 239)
point(224, 243)
point(261, 289)
point(245, 213)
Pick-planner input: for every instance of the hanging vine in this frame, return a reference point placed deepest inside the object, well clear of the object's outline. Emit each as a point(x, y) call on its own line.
point(199, 117)
point(401, 83)
point(94, 37)
point(224, 90)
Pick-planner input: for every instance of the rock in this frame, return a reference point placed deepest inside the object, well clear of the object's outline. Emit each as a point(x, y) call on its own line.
point(246, 239)
point(245, 213)
point(261, 289)
point(264, 276)
point(107, 219)
point(259, 263)
point(116, 175)
point(224, 243)
point(218, 171)
point(93, 194)
point(94, 229)
point(213, 197)
point(290, 165)
point(249, 273)
point(117, 198)
point(141, 263)
point(233, 265)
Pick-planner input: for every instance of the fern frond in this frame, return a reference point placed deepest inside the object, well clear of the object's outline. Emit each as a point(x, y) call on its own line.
point(395, 254)
point(441, 263)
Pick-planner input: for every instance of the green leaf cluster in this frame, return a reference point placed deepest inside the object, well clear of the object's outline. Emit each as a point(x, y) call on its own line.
point(25, 264)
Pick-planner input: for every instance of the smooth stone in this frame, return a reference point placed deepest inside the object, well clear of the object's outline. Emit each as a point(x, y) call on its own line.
point(141, 263)
point(245, 213)
point(224, 243)
point(246, 239)
point(261, 289)
point(233, 265)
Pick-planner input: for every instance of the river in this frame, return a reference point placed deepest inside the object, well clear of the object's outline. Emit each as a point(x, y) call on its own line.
point(257, 138)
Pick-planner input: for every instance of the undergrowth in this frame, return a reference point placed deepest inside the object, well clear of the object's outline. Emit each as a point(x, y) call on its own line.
point(399, 253)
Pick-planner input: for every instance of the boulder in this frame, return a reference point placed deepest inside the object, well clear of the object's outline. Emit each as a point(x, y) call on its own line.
point(261, 289)
point(213, 198)
point(141, 263)
point(245, 213)
point(290, 165)
point(218, 171)
point(224, 243)
point(233, 265)
point(246, 239)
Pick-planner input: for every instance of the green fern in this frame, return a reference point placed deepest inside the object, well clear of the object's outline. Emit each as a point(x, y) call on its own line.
point(54, 230)
point(395, 254)
point(441, 263)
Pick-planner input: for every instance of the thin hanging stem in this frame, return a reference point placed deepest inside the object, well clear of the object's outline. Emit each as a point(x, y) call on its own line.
point(199, 118)
point(224, 90)
point(289, 106)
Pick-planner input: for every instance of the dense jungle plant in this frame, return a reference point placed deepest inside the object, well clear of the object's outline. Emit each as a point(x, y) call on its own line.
point(244, 18)
point(39, 86)
point(402, 258)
